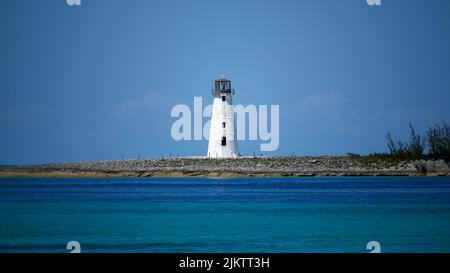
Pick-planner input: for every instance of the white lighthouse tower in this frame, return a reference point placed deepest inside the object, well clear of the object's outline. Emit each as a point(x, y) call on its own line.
point(222, 135)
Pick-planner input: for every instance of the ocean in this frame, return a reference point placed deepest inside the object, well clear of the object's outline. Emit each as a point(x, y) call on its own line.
point(262, 215)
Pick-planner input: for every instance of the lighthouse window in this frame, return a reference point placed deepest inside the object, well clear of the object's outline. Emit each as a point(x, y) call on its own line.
point(224, 141)
point(224, 86)
point(223, 98)
point(223, 124)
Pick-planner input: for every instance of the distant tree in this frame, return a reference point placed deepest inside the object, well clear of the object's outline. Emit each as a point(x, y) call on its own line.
point(416, 145)
point(407, 150)
point(439, 141)
point(393, 147)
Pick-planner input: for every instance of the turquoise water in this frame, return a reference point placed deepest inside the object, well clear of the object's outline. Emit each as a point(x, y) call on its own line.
point(404, 214)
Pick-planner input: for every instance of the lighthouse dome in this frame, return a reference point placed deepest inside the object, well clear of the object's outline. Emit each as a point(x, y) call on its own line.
point(222, 79)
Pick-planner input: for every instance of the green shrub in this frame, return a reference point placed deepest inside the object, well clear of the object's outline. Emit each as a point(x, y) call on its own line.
point(438, 139)
point(414, 149)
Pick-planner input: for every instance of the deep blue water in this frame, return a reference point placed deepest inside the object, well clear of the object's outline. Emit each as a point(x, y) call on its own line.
point(339, 214)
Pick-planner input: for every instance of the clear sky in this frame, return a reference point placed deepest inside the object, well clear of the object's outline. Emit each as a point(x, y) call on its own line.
point(98, 81)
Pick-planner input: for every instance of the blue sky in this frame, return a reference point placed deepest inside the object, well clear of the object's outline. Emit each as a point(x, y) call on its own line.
point(98, 81)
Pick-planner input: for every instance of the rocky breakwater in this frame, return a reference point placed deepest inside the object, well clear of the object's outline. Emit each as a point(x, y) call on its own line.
point(244, 166)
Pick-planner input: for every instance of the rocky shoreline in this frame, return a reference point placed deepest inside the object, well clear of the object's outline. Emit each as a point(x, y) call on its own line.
point(241, 167)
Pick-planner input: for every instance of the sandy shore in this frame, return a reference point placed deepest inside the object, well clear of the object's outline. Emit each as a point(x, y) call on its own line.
point(241, 167)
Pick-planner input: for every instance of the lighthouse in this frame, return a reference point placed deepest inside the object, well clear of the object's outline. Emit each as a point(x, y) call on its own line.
point(222, 134)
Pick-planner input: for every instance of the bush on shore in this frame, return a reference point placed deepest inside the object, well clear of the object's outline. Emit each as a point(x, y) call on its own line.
point(438, 138)
point(436, 142)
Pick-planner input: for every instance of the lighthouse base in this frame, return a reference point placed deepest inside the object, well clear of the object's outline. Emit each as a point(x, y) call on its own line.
point(217, 150)
point(222, 155)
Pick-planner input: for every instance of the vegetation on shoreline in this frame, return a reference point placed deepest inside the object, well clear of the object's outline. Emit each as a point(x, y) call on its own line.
point(434, 146)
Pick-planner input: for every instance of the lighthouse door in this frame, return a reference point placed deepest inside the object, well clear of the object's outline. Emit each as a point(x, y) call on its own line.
point(224, 141)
